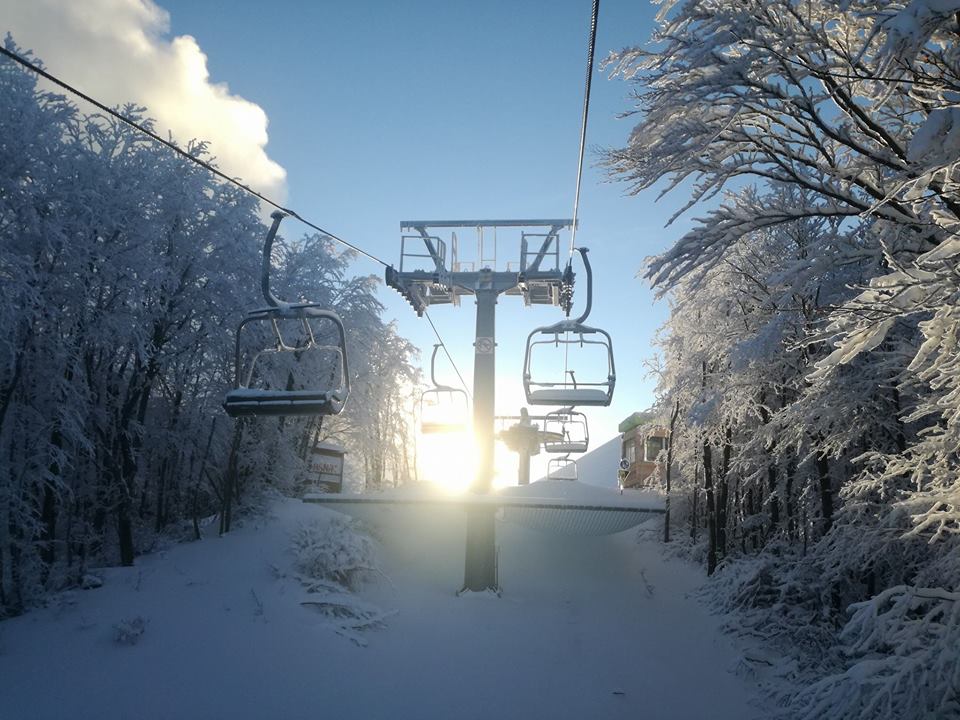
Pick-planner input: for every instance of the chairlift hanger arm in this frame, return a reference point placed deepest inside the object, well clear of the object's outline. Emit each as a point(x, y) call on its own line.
point(265, 264)
point(589, 271)
point(433, 365)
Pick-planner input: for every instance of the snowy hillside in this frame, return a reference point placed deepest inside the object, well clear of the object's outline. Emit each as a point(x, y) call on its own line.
point(599, 466)
point(586, 628)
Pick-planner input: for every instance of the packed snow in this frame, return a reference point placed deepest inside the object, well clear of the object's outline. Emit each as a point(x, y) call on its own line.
point(248, 626)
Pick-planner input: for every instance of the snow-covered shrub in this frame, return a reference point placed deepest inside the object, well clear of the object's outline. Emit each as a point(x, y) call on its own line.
point(129, 631)
point(783, 605)
point(91, 581)
point(903, 649)
point(347, 615)
point(333, 557)
point(333, 550)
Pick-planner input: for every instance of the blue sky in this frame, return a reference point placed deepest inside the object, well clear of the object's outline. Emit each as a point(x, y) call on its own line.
point(382, 112)
point(386, 111)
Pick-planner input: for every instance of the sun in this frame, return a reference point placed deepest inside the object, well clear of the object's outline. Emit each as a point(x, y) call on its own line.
point(448, 460)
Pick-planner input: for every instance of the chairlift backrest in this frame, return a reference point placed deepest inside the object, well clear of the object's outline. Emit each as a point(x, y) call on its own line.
point(263, 385)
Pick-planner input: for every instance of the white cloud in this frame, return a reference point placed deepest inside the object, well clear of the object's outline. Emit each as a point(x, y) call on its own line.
point(120, 51)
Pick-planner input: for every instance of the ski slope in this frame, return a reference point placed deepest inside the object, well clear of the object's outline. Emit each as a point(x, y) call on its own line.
point(586, 627)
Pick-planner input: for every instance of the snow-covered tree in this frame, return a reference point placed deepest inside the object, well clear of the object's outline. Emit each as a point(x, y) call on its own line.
point(124, 271)
point(813, 333)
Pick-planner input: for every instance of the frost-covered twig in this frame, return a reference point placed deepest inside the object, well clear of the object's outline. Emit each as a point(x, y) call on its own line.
point(348, 615)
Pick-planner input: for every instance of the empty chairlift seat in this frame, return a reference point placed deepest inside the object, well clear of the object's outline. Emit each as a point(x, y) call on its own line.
point(562, 468)
point(443, 409)
point(272, 381)
point(544, 384)
point(290, 358)
point(567, 390)
point(565, 431)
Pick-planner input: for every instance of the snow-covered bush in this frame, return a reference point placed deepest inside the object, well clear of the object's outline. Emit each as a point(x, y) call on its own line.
point(332, 557)
point(903, 650)
point(784, 607)
point(334, 550)
point(347, 615)
point(91, 581)
point(129, 631)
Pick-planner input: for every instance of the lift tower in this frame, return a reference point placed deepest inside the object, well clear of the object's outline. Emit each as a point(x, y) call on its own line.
point(428, 276)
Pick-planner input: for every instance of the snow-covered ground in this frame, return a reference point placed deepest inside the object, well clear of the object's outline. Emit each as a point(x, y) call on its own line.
point(587, 627)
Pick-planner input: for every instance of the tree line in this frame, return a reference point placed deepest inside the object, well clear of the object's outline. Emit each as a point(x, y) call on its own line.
point(809, 367)
point(124, 271)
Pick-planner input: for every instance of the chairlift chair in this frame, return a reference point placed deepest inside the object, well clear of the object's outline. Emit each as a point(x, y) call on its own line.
point(562, 468)
point(256, 390)
point(443, 409)
point(565, 431)
point(567, 391)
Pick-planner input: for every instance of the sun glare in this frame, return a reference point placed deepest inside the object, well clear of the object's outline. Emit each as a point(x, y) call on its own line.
point(448, 460)
point(447, 453)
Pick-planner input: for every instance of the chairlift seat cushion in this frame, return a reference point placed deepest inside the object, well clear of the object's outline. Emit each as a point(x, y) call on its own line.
point(565, 447)
point(243, 402)
point(569, 396)
point(548, 437)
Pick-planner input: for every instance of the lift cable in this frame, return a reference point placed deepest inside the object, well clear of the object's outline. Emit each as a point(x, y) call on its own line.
point(447, 353)
point(233, 181)
point(207, 166)
point(591, 45)
point(180, 151)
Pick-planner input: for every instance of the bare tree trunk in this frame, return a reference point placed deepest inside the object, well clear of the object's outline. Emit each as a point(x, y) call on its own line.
point(711, 508)
point(788, 500)
point(230, 480)
point(900, 438)
point(196, 485)
point(666, 514)
point(774, 500)
point(694, 503)
point(723, 493)
point(826, 492)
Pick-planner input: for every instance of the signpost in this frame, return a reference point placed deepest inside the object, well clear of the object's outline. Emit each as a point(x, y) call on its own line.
point(325, 469)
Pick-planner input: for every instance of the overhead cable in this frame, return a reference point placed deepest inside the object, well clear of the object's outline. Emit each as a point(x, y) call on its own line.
point(591, 45)
point(207, 166)
point(180, 151)
point(447, 353)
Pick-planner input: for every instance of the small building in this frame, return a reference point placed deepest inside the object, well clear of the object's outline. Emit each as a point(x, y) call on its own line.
point(642, 441)
point(325, 468)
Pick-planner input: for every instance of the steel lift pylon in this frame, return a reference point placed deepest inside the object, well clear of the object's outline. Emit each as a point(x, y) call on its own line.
point(538, 278)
